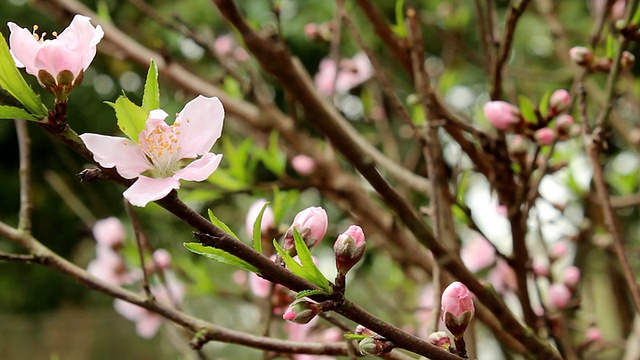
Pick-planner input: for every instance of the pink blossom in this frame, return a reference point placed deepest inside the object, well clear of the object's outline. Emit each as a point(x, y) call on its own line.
point(72, 50)
point(311, 31)
point(571, 276)
point(593, 334)
point(224, 45)
point(303, 165)
point(545, 136)
point(501, 115)
point(457, 299)
point(618, 9)
point(162, 258)
point(540, 268)
point(478, 254)
point(268, 217)
point(560, 100)
point(559, 295)
point(581, 55)
point(502, 277)
point(259, 286)
point(558, 250)
point(311, 223)
point(349, 248)
point(109, 232)
point(351, 73)
point(162, 149)
point(240, 54)
point(109, 266)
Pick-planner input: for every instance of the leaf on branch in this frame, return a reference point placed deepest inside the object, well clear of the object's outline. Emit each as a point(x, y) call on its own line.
point(151, 96)
point(527, 109)
point(257, 237)
point(217, 222)
point(220, 256)
point(11, 112)
point(355, 336)
point(12, 81)
point(305, 293)
point(131, 117)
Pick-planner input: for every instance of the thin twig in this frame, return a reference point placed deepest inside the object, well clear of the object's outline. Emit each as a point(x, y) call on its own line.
point(141, 240)
point(17, 257)
point(24, 145)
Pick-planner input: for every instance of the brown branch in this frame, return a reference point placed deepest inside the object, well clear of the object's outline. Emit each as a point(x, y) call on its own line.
point(141, 241)
point(592, 142)
point(17, 257)
point(24, 146)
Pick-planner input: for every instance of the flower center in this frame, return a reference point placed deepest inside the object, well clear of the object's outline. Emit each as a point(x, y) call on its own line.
point(40, 38)
point(161, 147)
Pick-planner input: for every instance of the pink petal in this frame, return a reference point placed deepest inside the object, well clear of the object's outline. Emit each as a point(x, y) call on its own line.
point(200, 126)
point(128, 310)
point(148, 325)
point(23, 48)
point(57, 55)
point(147, 189)
point(110, 151)
point(83, 38)
point(200, 169)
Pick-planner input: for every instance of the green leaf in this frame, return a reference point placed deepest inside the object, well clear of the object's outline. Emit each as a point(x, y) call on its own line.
point(257, 238)
point(292, 265)
point(315, 275)
point(305, 293)
point(11, 112)
point(636, 17)
point(221, 225)
point(399, 28)
point(544, 103)
point(131, 117)
point(282, 202)
point(355, 336)
point(220, 256)
point(611, 46)
point(223, 179)
point(273, 159)
point(12, 81)
point(527, 110)
point(151, 97)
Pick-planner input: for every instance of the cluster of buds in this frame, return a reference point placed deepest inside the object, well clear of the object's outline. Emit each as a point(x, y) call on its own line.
point(372, 344)
point(59, 63)
point(302, 311)
point(584, 57)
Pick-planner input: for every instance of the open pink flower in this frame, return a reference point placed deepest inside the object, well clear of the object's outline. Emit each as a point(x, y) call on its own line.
point(162, 149)
point(109, 232)
point(351, 73)
point(72, 50)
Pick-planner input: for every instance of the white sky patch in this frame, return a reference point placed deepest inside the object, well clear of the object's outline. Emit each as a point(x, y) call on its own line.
point(460, 97)
point(191, 50)
point(554, 190)
point(581, 170)
point(626, 163)
point(484, 211)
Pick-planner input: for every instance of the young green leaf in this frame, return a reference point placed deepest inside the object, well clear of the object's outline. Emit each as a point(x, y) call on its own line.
point(257, 238)
point(217, 222)
point(12, 112)
point(292, 265)
point(544, 103)
point(131, 117)
point(355, 336)
point(527, 110)
point(220, 256)
point(151, 97)
point(611, 46)
point(305, 293)
point(399, 28)
point(12, 81)
point(304, 255)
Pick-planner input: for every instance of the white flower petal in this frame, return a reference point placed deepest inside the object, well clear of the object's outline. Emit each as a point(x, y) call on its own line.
point(200, 169)
point(147, 189)
point(200, 126)
point(110, 151)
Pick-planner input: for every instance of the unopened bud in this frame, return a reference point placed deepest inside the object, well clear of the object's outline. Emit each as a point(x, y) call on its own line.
point(581, 55)
point(361, 330)
point(501, 115)
point(627, 61)
point(301, 311)
point(162, 258)
point(559, 295)
point(349, 248)
point(602, 65)
point(375, 346)
point(545, 136)
point(563, 126)
point(593, 334)
point(517, 146)
point(571, 276)
point(559, 101)
point(440, 339)
point(311, 224)
point(457, 308)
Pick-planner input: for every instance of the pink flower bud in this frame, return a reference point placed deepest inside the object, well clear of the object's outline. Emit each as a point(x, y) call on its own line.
point(501, 115)
point(564, 123)
point(559, 295)
point(268, 218)
point(457, 308)
point(581, 55)
point(627, 61)
point(375, 346)
point(439, 339)
point(558, 250)
point(540, 268)
point(545, 136)
point(593, 334)
point(301, 311)
point(303, 165)
point(311, 224)
point(224, 45)
point(571, 276)
point(361, 330)
point(349, 248)
point(618, 9)
point(518, 146)
point(559, 101)
point(109, 232)
point(162, 258)
point(311, 31)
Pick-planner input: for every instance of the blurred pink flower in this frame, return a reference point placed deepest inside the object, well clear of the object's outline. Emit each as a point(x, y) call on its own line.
point(109, 232)
point(571, 276)
point(162, 150)
point(224, 45)
point(303, 165)
point(540, 268)
point(545, 136)
point(304, 333)
point(558, 250)
point(259, 286)
point(559, 295)
point(478, 253)
point(162, 258)
point(501, 115)
point(109, 266)
point(351, 73)
point(559, 101)
point(502, 277)
point(72, 50)
point(593, 334)
point(268, 217)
